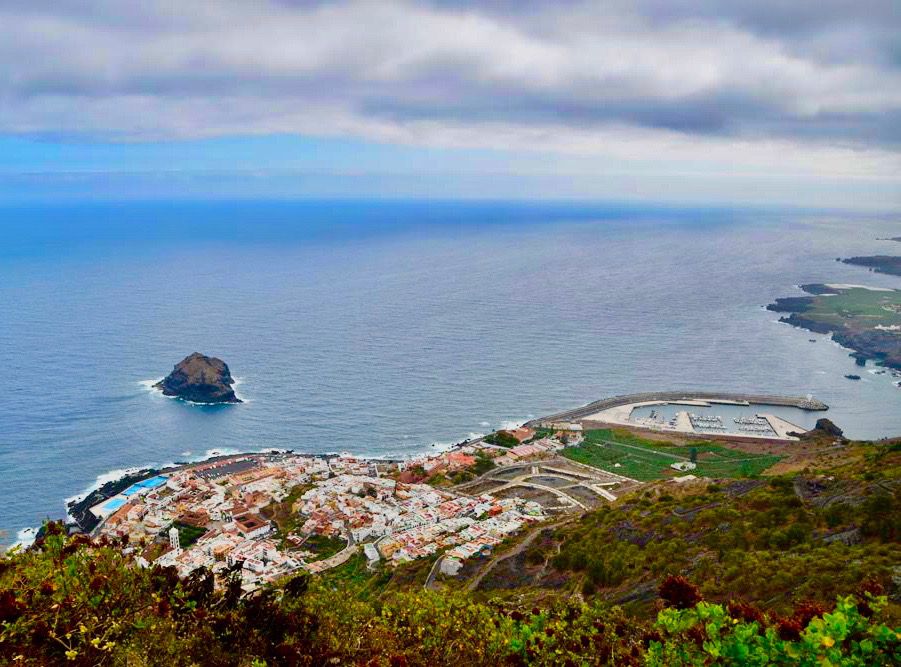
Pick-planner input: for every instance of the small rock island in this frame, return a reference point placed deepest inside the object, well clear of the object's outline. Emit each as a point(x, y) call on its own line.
point(200, 379)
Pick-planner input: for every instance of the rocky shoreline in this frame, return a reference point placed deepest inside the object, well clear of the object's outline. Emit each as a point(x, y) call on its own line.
point(79, 510)
point(887, 264)
point(879, 345)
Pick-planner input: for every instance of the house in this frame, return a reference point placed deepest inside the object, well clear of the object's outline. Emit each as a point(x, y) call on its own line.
point(252, 525)
point(457, 460)
point(522, 433)
point(196, 518)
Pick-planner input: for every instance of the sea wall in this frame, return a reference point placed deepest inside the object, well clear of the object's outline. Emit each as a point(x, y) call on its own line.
point(671, 396)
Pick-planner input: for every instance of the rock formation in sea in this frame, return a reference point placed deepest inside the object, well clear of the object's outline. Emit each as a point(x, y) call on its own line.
point(200, 379)
point(827, 426)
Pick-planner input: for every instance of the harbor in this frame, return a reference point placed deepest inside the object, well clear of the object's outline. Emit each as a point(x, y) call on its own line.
point(702, 414)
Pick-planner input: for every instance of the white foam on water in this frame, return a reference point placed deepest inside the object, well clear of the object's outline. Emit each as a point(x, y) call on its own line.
point(119, 473)
point(148, 385)
point(485, 424)
point(440, 446)
point(219, 451)
point(509, 425)
point(110, 476)
point(25, 538)
point(237, 382)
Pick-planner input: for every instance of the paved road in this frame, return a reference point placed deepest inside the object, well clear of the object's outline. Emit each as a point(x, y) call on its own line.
point(430, 580)
point(520, 481)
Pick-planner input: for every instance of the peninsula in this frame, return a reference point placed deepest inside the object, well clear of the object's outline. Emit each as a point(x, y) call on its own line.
point(864, 319)
point(200, 379)
point(889, 264)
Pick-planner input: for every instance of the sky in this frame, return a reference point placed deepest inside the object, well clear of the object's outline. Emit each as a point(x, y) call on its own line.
point(763, 102)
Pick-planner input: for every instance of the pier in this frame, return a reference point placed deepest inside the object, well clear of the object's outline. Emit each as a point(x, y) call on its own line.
point(686, 397)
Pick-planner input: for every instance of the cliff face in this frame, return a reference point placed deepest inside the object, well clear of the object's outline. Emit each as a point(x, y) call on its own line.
point(200, 379)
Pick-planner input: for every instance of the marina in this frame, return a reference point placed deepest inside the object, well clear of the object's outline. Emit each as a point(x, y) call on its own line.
point(721, 415)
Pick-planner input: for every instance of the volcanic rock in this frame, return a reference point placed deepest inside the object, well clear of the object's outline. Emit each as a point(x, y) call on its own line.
point(826, 426)
point(200, 379)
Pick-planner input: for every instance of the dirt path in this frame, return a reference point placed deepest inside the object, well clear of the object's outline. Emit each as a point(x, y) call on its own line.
point(515, 551)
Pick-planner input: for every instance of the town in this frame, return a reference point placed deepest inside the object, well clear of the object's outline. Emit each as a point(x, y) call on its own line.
point(274, 513)
point(280, 512)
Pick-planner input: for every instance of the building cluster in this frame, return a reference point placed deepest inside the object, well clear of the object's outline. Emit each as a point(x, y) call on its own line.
point(408, 521)
point(214, 514)
point(221, 503)
point(535, 449)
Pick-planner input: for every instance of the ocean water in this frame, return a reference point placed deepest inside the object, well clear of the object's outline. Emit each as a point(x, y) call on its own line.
point(385, 328)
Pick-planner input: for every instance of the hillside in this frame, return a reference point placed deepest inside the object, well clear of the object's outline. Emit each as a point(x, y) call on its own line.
point(792, 568)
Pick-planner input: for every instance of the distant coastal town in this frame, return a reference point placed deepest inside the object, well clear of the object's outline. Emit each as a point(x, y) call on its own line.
point(274, 513)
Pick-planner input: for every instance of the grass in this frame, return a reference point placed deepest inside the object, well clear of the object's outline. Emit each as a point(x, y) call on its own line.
point(647, 460)
point(187, 535)
point(355, 578)
point(323, 546)
point(865, 307)
point(352, 574)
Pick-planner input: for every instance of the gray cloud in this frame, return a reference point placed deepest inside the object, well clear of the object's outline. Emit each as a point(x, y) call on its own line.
point(819, 74)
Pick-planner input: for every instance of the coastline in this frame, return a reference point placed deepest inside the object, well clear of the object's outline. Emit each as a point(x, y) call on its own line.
point(850, 330)
point(78, 507)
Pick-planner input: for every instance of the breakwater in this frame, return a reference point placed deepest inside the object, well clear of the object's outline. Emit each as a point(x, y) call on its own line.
point(803, 403)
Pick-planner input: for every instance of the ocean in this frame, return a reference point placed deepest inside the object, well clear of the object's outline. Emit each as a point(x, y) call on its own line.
point(389, 328)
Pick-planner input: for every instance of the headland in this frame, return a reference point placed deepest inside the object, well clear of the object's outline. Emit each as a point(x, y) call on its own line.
point(865, 319)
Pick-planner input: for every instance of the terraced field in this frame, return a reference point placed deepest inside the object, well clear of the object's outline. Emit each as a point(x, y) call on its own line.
point(647, 460)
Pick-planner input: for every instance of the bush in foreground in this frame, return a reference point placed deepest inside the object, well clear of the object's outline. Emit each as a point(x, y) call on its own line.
point(74, 601)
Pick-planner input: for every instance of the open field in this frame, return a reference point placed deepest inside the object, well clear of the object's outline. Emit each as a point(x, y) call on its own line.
point(647, 460)
point(866, 307)
point(866, 320)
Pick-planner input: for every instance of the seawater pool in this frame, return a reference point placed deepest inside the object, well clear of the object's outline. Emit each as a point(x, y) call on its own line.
point(144, 485)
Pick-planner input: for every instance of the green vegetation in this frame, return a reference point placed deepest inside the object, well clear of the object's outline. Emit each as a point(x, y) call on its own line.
point(708, 633)
point(647, 460)
point(80, 602)
point(502, 439)
point(187, 535)
point(758, 538)
point(354, 575)
point(858, 318)
point(868, 307)
point(323, 546)
point(283, 515)
point(799, 569)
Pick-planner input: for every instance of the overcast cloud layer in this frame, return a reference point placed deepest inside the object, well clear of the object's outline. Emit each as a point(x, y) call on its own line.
point(755, 85)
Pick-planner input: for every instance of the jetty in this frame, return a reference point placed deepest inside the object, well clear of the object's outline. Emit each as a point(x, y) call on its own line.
point(682, 397)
